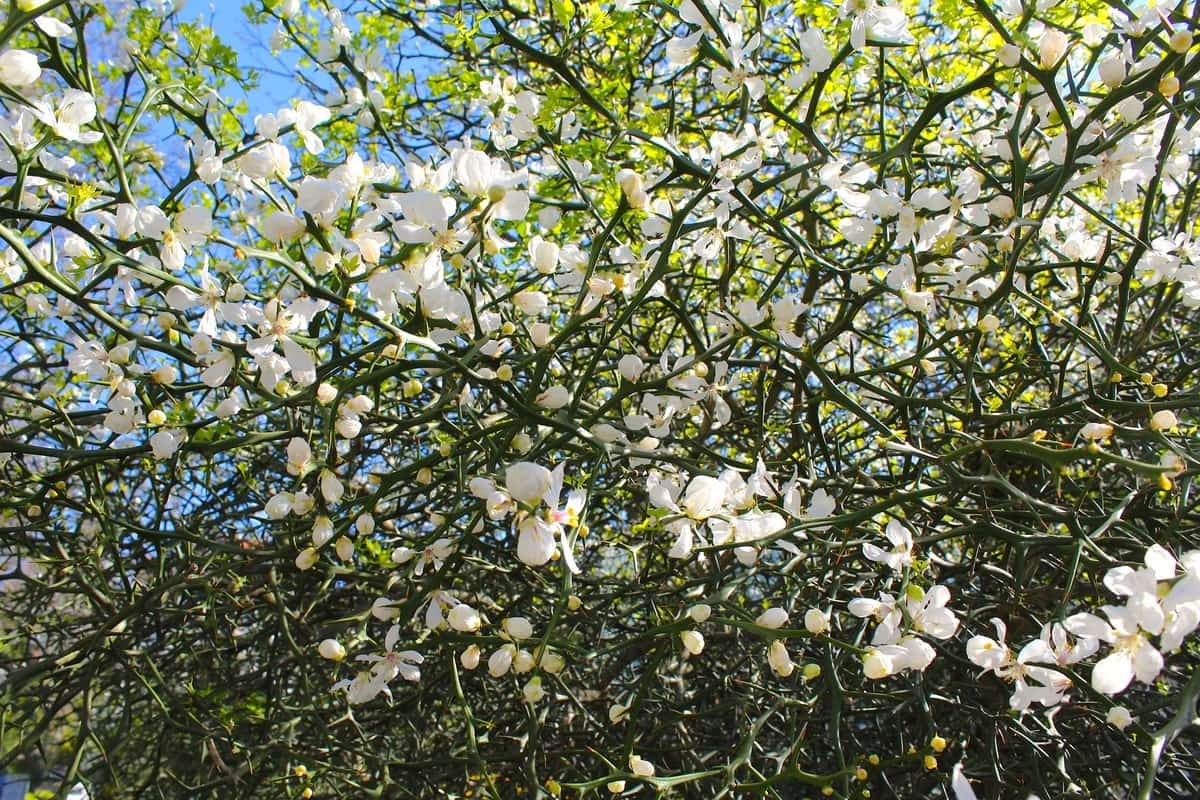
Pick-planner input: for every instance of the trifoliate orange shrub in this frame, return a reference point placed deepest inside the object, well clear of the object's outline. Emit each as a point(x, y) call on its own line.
point(573, 399)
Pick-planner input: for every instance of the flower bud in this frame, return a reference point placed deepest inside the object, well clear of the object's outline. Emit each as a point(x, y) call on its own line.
point(630, 367)
point(470, 657)
point(533, 691)
point(326, 393)
point(780, 661)
point(523, 662)
point(322, 531)
point(1051, 48)
point(815, 621)
point(700, 612)
point(640, 767)
point(1119, 717)
point(526, 482)
point(543, 255)
point(693, 642)
point(773, 617)
point(306, 559)
point(517, 628)
point(554, 398)
point(331, 649)
point(347, 428)
point(463, 618)
point(1112, 70)
point(1164, 420)
point(383, 609)
point(539, 334)
point(501, 661)
point(19, 68)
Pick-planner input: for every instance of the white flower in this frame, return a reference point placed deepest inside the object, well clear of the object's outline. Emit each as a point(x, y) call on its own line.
point(332, 488)
point(1112, 70)
point(535, 542)
point(929, 614)
point(526, 482)
point(991, 654)
point(394, 663)
point(322, 531)
point(306, 559)
point(19, 68)
point(878, 663)
point(531, 302)
point(276, 324)
point(306, 117)
point(821, 504)
point(348, 427)
point(543, 255)
point(683, 51)
point(523, 662)
point(319, 197)
point(1133, 656)
point(383, 609)
point(166, 442)
point(73, 110)
point(900, 556)
point(705, 496)
point(488, 178)
point(960, 785)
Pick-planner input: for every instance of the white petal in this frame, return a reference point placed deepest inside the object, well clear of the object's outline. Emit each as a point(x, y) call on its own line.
point(1161, 562)
point(960, 785)
point(1147, 663)
point(1112, 674)
point(568, 556)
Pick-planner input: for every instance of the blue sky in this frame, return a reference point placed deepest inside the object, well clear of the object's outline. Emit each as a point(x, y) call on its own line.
point(277, 81)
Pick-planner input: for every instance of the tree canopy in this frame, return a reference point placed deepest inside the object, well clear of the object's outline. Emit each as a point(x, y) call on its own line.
point(549, 398)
